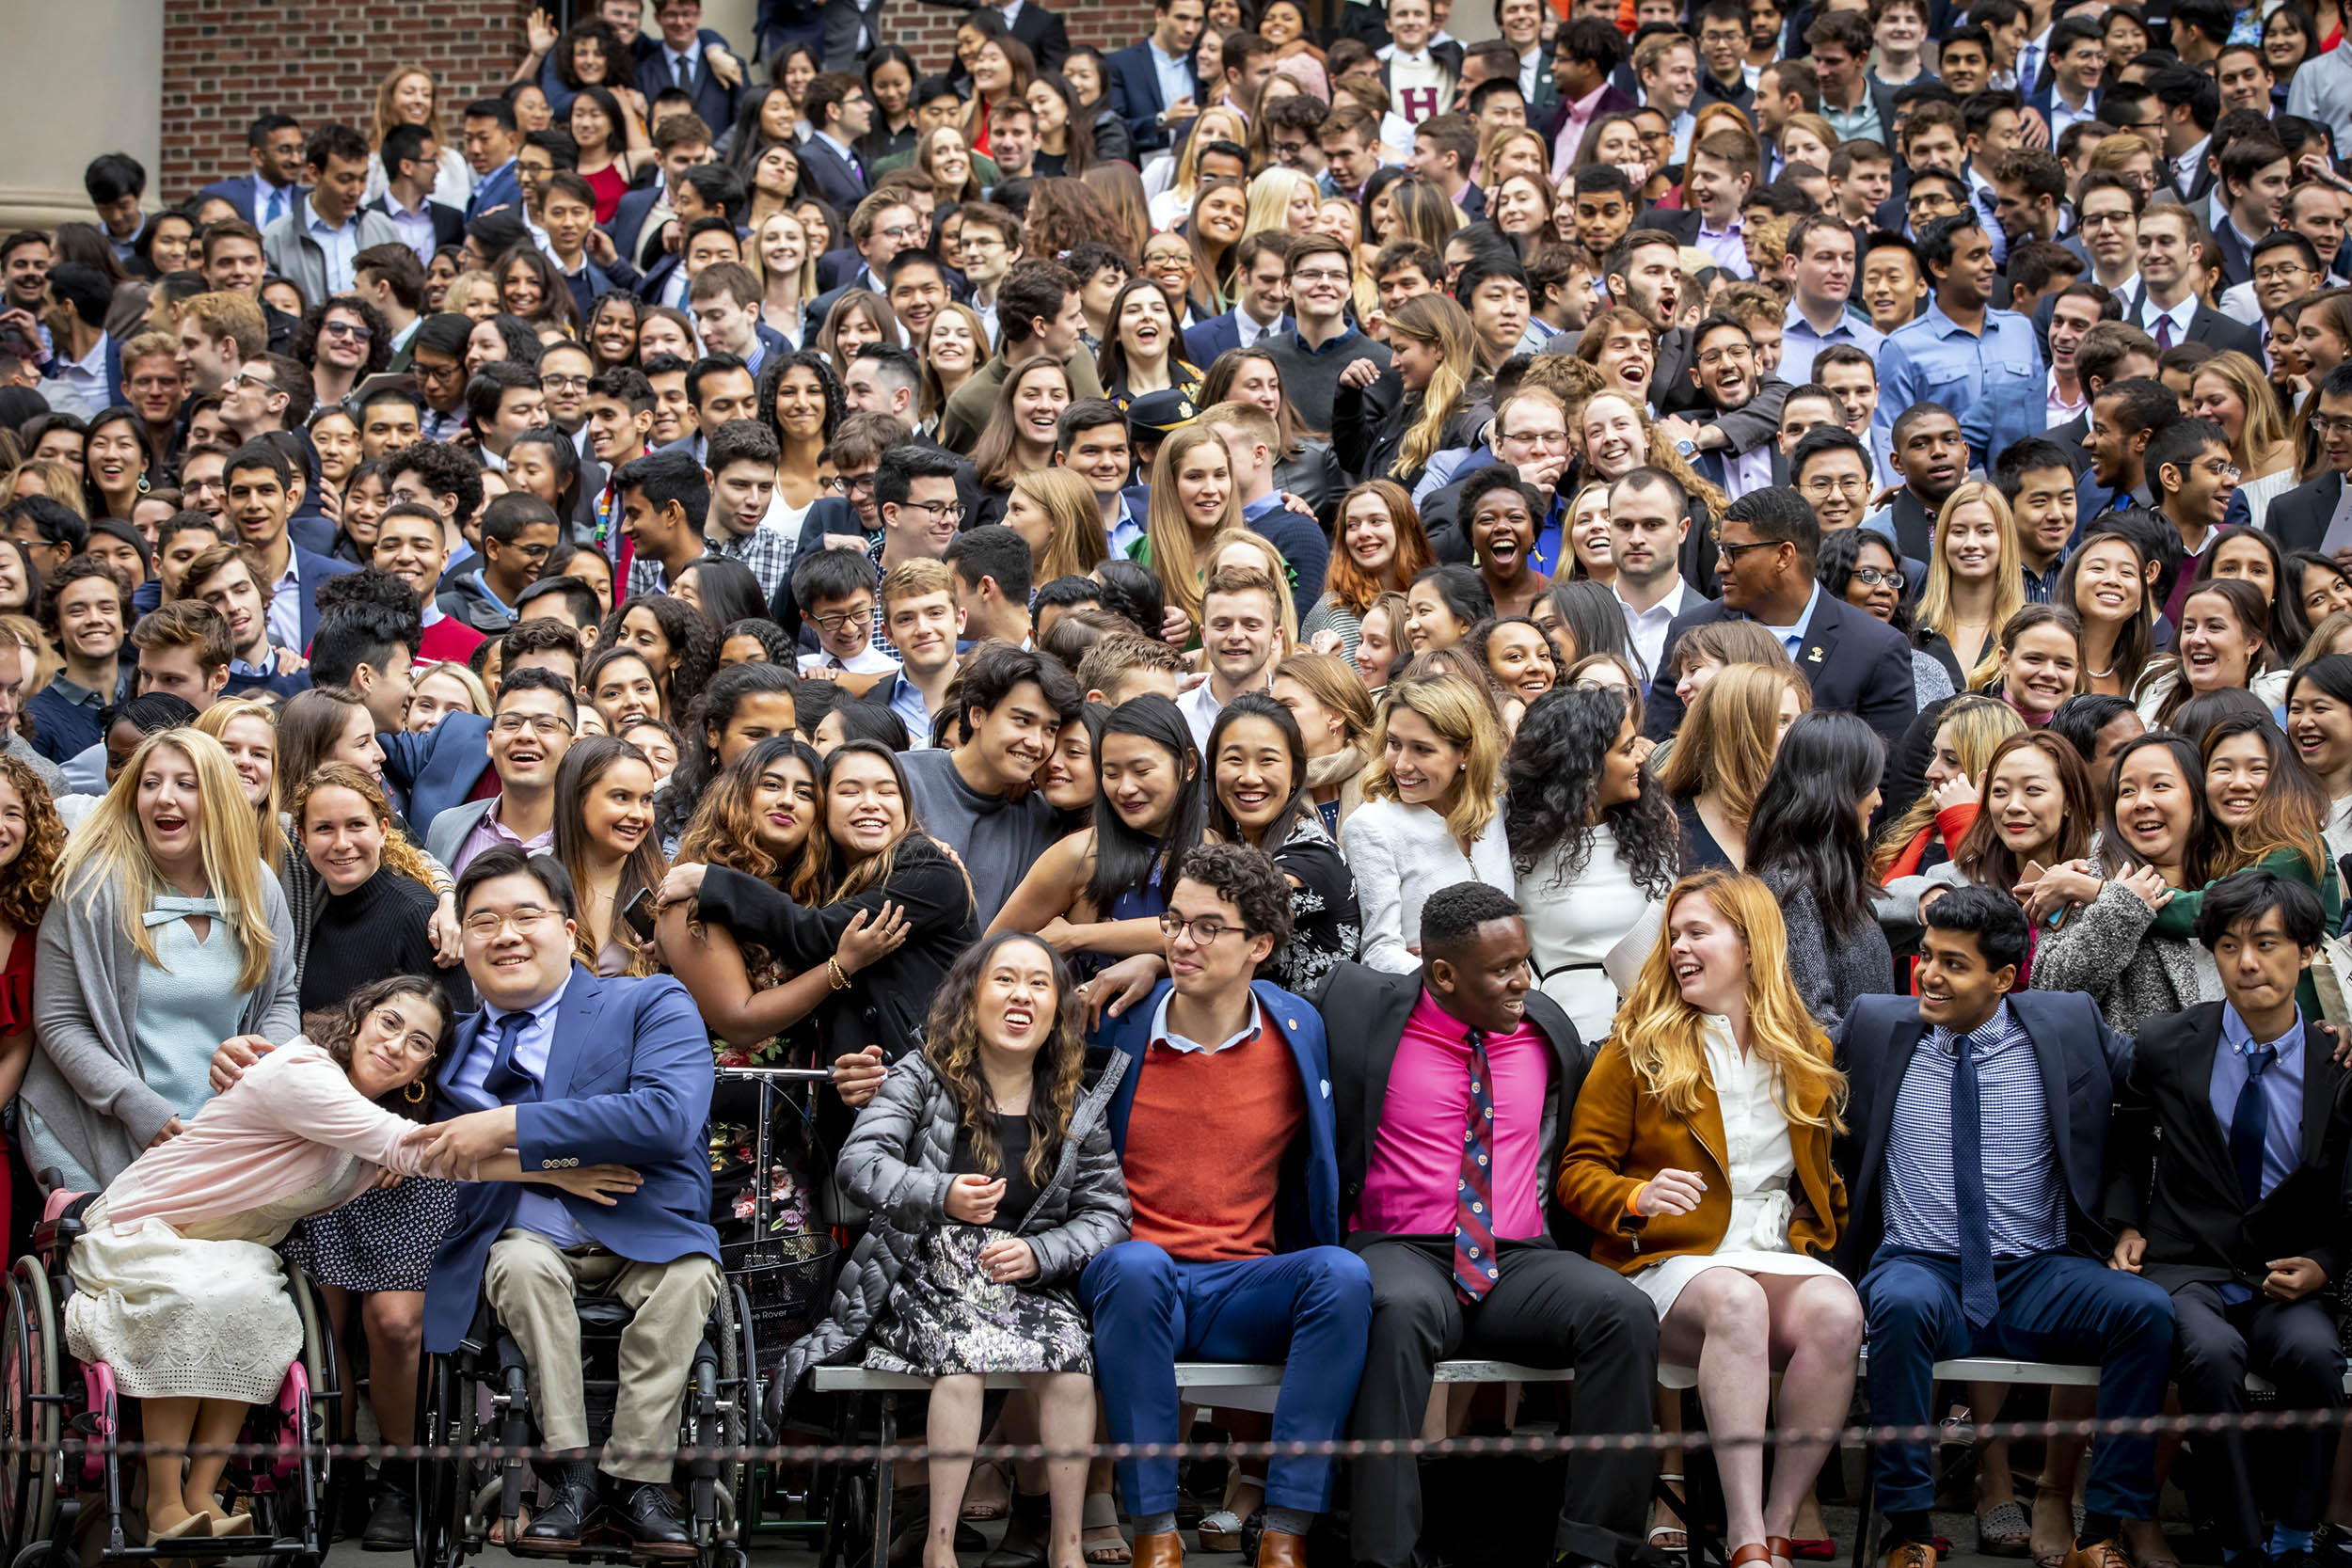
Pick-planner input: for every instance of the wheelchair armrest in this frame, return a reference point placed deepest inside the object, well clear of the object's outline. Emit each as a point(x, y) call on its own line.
point(483, 1331)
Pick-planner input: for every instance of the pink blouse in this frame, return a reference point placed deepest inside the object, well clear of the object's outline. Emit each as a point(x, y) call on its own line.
point(277, 1130)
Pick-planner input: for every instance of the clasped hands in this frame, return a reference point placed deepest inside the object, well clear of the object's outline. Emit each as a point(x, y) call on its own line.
point(457, 1149)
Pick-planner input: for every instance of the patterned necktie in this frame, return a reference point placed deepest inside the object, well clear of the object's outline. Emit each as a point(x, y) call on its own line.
point(1979, 1297)
point(2164, 332)
point(504, 1077)
point(2249, 1124)
point(1474, 1198)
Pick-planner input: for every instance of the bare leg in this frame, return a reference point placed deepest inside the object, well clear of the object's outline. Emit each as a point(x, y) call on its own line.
point(1015, 1423)
point(1996, 1483)
point(339, 1305)
point(217, 1423)
point(1721, 1322)
point(2061, 1475)
point(1065, 1404)
point(2340, 1486)
point(1665, 1526)
point(394, 1322)
point(955, 1426)
point(1103, 1543)
point(1817, 1331)
point(172, 1424)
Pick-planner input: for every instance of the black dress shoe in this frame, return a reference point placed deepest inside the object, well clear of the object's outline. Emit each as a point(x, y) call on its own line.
point(574, 1508)
point(644, 1512)
point(392, 1526)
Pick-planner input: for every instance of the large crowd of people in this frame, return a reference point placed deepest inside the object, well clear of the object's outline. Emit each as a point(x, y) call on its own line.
point(1670, 696)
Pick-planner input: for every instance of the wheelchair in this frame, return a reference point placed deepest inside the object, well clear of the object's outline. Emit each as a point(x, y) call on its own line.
point(65, 1419)
point(479, 1396)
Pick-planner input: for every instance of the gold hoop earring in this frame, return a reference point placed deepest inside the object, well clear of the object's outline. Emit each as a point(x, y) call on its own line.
point(416, 1092)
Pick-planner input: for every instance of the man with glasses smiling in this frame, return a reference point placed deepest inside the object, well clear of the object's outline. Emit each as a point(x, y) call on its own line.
point(437, 359)
point(533, 720)
point(2285, 267)
point(1529, 433)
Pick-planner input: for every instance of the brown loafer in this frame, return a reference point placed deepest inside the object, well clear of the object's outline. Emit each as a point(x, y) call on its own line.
point(1910, 1554)
point(1165, 1549)
point(1280, 1549)
point(2098, 1554)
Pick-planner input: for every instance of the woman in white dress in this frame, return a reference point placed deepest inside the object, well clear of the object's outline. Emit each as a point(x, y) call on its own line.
point(176, 1283)
point(1699, 1155)
point(1594, 843)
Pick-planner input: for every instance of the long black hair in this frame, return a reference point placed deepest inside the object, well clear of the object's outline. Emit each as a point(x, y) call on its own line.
point(729, 590)
point(2288, 628)
point(1127, 860)
point(1257, 704)
point(1807, 823)
point(689, 633)
point(714, 710)
point(1130, 589)
point(1551, 784)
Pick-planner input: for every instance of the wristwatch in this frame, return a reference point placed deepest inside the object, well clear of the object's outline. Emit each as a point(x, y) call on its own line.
point(1686, 449)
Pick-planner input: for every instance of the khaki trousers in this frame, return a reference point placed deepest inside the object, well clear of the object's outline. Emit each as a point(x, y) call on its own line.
point(533, 1286)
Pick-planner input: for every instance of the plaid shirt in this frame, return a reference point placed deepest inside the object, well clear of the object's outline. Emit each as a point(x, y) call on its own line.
point(766, 550)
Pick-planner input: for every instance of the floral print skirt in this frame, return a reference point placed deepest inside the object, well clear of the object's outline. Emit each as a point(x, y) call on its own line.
point(945, 1316)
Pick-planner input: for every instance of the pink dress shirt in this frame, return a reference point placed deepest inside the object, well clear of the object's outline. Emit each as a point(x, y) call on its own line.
point(1416, 1167)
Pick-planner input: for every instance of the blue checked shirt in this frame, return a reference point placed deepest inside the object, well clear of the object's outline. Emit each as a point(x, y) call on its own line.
point(2022, 1188)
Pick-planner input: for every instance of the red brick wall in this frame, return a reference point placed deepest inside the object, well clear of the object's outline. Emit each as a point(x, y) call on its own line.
point(227, 60)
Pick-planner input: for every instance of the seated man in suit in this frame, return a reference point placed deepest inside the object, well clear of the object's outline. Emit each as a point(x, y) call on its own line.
point(1476, 1271)
point(2230, 1150)
point(1224, 1123)
point(567, 1070)
point(1975, 1149)
point(1765, 554)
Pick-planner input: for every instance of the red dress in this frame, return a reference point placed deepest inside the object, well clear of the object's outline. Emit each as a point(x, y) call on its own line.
point(610, 184)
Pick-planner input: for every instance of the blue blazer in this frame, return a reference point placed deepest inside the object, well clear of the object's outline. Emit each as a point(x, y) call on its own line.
point(1308, 1211)
point(627, 1083)
point(827, 170)
point(237, 190)
point(502, 187)
point(1210, 338)
point(713, 99)
point(2084, 1065)
point(630, 217)
point(439, 768)
point(1134, 94)
point(311, 568)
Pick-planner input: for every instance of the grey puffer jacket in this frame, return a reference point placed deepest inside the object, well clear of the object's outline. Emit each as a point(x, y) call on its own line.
point(897, 1166)
point(2103, 950)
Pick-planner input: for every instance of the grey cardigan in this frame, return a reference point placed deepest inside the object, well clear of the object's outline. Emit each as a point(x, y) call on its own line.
point(2103, 950)
point(897, 1164)
point(84, 1080)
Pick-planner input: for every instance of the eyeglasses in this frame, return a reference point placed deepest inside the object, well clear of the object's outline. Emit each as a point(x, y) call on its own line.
point(1848, 484)
point(1549, 439)
point(564, 383)
point(844, 485)
point(347, 329)
point(1871, 576)
point(245, 378)
point(2284, 272)
point(1732, 552)
point(2105, 220)
point(946, 512)
point(1318, 276)
point(545, 725)
point(841, 621)
point(524, 919)
point(1204, 929)
point(2328, 426)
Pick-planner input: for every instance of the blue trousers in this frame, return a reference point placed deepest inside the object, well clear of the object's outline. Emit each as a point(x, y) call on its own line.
point(2054, 1307)
point(1310, 1310)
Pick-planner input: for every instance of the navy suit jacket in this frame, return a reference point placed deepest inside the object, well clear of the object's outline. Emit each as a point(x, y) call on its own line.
point(1308, 1211)
point(1853, 660)
point(237, 190)
point(713, 99)
point(631, 216)
point(2084, 1063)
point(628, 1080)
point(1210, 338)
point(2298, 519)
point(438, 767)
point(312, 569)
point(1134, 94)
point(593, 282)
point(830, 173)
point(500, 188)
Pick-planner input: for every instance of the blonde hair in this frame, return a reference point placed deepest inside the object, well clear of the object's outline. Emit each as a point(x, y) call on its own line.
point(1435, 320)
point(1188, 165)
point(1979, 726)
point(1730, 735)
point(214, 720)
point(1463, 717)
point(42, 661)
point(1078, 543)
point(1270, 196)
point(933, 400)
point(1271, 563)
point(387, 117)
point(462, 290)
point(57, 483)
point(808, 259)
point(2263, 434)
point(476, 693)
point(110, 849)
point(2008, 580)
point(1665, 1036)
point(1168, 532)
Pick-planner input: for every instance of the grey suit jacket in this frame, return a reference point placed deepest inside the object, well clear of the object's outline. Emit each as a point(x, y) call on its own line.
point(448, 831)
point(295, 255)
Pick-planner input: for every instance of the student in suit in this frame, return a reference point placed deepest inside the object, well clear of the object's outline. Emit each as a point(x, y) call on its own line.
point(267, 192)
point(1224, 1125)
point(2165, 305)
point(437, 768)
point(1449, 1280)
point(1141, 76)
point(2298, 519)
point(567, 1070)
point(838, 113)
point(1040, 29)
point(2229, 1160)
point(260, 473)
point(1769, 540)
point(1974, 1151)
point(679, 59)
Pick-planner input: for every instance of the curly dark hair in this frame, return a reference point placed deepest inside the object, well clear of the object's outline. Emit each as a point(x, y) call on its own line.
point(692, 638)
point(30, 880)
point(1248, 879)
point(951, 1044)
point(333, 1030)
point(1551, 787)
point(304, 346)
point(836, 400)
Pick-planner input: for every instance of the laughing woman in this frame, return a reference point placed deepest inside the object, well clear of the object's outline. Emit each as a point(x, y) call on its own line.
point(2221, 643)
point(604, 837)
point(1261, 795)
point(1142, 353)
point(1021, 429)
point(1382, 549)
point(2319, 723)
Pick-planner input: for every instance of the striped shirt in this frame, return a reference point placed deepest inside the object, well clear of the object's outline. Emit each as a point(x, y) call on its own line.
point(2023, 1194)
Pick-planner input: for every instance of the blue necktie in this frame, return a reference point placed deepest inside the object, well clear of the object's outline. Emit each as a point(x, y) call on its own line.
point(1980, 1296)
point(277, 206)
point(2249, 1124)
point(504, 1077)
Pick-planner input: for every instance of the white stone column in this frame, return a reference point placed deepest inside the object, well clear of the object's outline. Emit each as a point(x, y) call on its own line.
point(78, 79)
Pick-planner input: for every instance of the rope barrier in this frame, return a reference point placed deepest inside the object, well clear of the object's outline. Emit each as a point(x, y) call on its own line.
point(1533, 1443)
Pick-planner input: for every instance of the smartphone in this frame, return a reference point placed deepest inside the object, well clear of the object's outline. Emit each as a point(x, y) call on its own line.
point(639, 914)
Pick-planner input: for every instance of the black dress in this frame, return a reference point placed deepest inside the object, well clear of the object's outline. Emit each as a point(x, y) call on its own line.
point(386, 1238)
